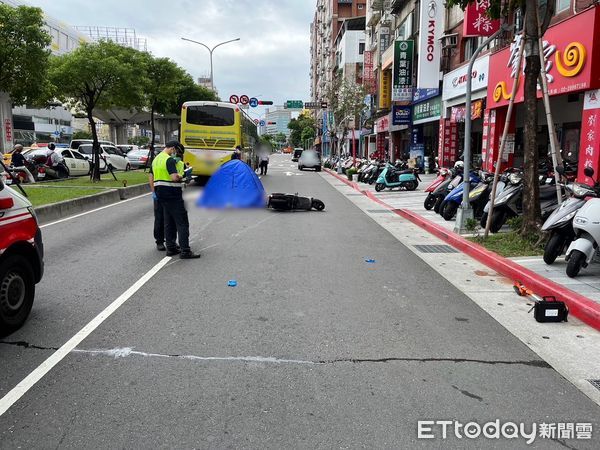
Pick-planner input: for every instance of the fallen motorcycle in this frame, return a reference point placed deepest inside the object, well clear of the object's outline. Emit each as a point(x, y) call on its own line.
point(294, 202)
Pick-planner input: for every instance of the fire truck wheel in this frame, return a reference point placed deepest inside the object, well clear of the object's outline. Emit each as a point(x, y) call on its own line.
point(17, 290)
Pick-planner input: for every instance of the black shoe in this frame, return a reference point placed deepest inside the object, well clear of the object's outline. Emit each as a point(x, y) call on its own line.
point(189, 255)
point(173, 252)
point(161, 247)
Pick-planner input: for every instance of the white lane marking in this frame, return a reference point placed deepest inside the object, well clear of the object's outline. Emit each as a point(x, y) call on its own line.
point(94, 210)
point(39, 372)
point(124, 352)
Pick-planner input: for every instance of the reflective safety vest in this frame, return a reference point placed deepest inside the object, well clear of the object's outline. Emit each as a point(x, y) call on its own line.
point(161, 174)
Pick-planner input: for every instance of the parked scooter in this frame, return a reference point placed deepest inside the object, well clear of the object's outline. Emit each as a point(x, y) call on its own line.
point(509, 202)
point(443, 175)
point(453, 200)
point(480, 194)
point(560, 222)
point(391, 177)
point(446, 186)
point(586, 226)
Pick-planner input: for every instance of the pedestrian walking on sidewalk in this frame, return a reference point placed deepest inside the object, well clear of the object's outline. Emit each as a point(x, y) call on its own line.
point(167, 176)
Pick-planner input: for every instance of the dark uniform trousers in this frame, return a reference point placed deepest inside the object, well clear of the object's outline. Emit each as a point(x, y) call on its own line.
point(159, 223)
point(176, 224)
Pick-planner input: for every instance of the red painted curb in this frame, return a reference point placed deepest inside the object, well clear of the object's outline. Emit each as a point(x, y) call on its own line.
point(580, 306)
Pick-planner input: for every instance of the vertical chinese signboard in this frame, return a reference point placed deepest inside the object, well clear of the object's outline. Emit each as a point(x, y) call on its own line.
point(402, 86)
point(448, 140)
point(8, 130)
point(385, 82)
point(589, 154)
point(477, 21)
point(368, 74)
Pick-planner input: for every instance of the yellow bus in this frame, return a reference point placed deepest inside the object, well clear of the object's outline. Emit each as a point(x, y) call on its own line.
point(210, 132)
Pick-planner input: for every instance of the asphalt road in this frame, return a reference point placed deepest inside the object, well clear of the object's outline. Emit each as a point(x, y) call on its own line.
point(314, 347)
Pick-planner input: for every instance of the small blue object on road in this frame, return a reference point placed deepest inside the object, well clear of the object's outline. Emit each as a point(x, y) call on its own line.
point(232, 283)
point(370, 261)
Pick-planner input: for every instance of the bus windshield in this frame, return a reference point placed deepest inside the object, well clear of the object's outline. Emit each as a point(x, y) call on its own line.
point(209, 115)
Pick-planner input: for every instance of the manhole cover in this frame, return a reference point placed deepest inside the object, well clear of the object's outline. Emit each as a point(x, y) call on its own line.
point(378, 211)
point(595, 383)
point(435, 249)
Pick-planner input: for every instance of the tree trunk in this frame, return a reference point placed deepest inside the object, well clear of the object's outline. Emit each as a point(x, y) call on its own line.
point(531, 190)
point(95, 147)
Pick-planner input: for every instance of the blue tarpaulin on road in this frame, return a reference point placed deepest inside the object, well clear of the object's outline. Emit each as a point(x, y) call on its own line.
point(234, 185)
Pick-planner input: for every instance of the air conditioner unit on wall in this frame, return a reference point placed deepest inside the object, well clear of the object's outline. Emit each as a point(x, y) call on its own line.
point(449, 40)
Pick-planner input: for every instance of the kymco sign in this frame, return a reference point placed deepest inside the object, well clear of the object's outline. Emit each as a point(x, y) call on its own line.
point(432, 26)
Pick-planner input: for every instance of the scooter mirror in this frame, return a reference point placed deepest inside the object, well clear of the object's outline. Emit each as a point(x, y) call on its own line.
point(588, 171)
point(560, 169)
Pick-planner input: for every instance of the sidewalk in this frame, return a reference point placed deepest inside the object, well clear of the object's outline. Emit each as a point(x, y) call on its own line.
point(587, 282)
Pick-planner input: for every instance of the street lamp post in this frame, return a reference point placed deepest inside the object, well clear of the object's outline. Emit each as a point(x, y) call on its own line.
point(210, 51)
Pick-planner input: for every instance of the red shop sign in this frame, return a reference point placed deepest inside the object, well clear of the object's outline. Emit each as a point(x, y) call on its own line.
point(8, 129)
point(383, 124)
point(572, 61)
point(477, 22)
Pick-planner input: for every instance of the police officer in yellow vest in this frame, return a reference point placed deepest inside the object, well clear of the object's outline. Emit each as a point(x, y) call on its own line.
point(168, 186)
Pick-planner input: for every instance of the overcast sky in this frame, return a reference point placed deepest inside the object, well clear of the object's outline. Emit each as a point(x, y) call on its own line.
point(271, 60)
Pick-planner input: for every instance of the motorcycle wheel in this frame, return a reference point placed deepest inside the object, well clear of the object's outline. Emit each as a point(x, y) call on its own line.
point(318, 205)
point(379, 187)
point(553, 248)
point(412, 185)
point(498, 219)
point(449, 210)
point(429, 202)
point(438, 204)
point(483, 221)
point(576, 262)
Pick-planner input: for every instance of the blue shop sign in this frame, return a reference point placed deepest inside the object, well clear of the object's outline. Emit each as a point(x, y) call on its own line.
point(423, 94)
point(401, 115)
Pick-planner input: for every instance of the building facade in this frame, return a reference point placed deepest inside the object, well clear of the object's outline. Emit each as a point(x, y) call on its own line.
point(280, 119)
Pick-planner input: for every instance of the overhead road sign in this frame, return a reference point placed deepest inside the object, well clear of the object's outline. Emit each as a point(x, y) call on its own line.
point(253, 102)
point(234, 99)
point(294, 104)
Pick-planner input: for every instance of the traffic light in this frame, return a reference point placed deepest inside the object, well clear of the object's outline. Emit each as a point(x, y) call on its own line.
point(271, 123)
point(265, 102)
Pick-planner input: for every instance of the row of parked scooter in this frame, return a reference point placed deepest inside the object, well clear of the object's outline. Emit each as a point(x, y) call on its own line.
point(383, 174)
point(573, 226)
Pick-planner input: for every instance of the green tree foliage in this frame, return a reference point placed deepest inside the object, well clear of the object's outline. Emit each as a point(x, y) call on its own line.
point(82, 135)
point(346, 101)
point(297, 127)
point(163, 79)
point(189, 91)
point(99, 75)
point(308, 134)
point(280, 138)
point(23, 54)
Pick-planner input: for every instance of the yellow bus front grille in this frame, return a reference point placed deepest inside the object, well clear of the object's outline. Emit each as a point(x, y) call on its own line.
point(192, 141)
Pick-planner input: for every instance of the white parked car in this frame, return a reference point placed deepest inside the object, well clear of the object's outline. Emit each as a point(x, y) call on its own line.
point(77, 163)
point(110, 156)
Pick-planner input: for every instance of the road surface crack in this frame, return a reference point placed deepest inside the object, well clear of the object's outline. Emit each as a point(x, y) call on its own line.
point(27, 345)
point(123, 352)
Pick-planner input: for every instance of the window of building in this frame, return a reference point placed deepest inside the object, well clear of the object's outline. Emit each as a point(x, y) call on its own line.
point(562, 5)
point(361, 48)
point(361, 6)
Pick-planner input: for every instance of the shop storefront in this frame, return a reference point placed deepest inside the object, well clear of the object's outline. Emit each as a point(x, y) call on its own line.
point(382, 140)
point(452, 122)
point(425, 130)
point(573, 75)
point(400, 132)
